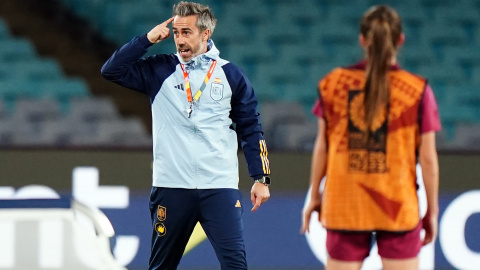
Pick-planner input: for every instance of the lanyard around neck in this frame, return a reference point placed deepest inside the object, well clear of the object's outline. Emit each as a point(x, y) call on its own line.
point(204, 84)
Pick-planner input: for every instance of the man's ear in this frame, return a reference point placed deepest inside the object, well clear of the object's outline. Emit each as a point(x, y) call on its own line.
point(206, 35)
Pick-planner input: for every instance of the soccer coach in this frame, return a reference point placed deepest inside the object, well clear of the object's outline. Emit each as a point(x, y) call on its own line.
point(200, 104)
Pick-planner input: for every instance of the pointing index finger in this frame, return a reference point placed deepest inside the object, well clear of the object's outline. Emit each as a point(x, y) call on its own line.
point(167, 22)
point(255, 207)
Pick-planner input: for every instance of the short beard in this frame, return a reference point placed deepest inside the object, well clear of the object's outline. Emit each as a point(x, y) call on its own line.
point(200, 49)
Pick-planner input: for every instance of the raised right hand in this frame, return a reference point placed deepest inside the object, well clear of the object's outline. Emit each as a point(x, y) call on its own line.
point(160, 32)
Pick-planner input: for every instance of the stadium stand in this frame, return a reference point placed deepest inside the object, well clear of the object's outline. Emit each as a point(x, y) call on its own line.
point(41, 106)
point(286, 46)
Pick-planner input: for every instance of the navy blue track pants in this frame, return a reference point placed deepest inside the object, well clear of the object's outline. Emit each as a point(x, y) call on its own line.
point(176, 211)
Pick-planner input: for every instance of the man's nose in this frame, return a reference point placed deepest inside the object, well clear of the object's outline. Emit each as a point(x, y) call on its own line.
point(180, 41)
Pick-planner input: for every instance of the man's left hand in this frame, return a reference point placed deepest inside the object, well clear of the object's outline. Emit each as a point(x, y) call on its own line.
point(259, 194)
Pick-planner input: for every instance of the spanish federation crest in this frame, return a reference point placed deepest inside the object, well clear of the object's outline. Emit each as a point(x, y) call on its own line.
point(161, 213)
point(160, 229)
point(216, 91)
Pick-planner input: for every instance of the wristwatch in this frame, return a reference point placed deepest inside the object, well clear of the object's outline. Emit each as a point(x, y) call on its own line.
point(264, 180)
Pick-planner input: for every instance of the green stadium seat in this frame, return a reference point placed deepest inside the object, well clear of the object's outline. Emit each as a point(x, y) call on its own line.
point(35, 69)
point(456, 113)
point(465, 54)
point(304, 92)
point(460, 14)
point(469, 96)
point(331, 34)
point(436, 3)
point(114, 20)
point(466, 57)
point(12, 89)
point(412, 57)
point(460, 105)
point(88, 9)
point(413, 19)
point(477, 35)
point(229, 24)
point(16, 49)
point(297, 13)
point(265, 91)
point(302, 55)
point(443, 75)
point(348, 13)
point(279, 32)
point(317, 72)
point(64, 90)
point(344, 54)
point(117, 18)
point(411, 13)
point(251, 13)
point(476, 78)
point(442, 34)
point(278, 72)
point(247, 55)
point(441, 93)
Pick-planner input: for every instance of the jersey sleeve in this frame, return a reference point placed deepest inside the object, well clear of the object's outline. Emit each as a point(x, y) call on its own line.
point(128, 68)
point(429, 117)
point(317, 108)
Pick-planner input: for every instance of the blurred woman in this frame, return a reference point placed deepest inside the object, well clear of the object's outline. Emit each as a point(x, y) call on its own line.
point(376, 121)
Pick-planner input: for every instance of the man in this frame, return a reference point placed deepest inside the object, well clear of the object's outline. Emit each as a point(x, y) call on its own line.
point(196, 99)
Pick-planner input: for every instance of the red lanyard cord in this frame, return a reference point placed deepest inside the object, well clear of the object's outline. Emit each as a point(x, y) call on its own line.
point(204, 84)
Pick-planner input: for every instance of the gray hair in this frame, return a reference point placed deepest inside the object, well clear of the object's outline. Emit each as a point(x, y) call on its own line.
point(205, 19)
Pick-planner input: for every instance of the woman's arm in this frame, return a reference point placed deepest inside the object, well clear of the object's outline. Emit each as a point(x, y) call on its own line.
point(429, 161)
point(317, 172)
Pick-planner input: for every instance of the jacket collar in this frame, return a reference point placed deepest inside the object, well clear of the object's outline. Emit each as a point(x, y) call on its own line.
point(202, 60)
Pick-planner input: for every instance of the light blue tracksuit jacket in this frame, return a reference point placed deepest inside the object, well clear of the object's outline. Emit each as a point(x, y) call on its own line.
point(199, 152)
